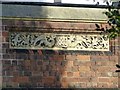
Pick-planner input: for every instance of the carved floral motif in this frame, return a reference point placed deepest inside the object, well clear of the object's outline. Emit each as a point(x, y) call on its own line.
point(21, 40)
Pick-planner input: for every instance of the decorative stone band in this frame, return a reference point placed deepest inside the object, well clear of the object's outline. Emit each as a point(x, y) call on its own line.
point(55, 41)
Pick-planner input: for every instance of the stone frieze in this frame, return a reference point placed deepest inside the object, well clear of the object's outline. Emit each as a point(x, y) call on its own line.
point(56, 41)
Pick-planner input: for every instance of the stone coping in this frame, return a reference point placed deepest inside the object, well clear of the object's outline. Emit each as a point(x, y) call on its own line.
point(52, 12)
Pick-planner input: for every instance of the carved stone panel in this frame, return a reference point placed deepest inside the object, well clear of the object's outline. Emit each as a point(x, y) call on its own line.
point(85, 42)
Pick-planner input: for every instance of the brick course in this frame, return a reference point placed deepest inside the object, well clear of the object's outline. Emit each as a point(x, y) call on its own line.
point(49, 68)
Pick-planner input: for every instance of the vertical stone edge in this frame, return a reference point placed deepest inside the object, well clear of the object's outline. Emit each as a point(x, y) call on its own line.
point(0, 45)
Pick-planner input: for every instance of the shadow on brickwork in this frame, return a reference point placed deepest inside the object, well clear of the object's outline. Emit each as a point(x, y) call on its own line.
point(30, 68)
point(34, 68)
point(53, 69)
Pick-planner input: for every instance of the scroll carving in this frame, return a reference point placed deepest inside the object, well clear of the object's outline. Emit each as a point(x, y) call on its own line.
point(88, 42)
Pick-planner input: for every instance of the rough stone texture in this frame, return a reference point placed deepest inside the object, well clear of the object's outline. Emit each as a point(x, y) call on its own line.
point(49, 68)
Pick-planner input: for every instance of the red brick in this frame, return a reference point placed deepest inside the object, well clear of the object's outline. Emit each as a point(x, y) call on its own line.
point(112, 63)
point(73, 79)
point(113, 58)
point(40, 52)
point(83, 57)
point(58, 64)
point(64, 84)
point(95, 57)
point(46, 74)
point(82, 85)
point(71, 57)
point(64, 79)
point(90, 70)
point(91, 74)
point(23, 79)
point(57, 57)
point(48, 80)
point(84, 68)
point(93, 79)
point(88, 63)
point(102, 63)
point(15, 73)
point(64, 74)
point(102, 85)
point(76, 74)
point(83, 79)
point(114, 85)
point(27, 63)
point(104, 79)
point(104, 69)
point(114, 80)
point(69, 74)
point(69, 64)
point(92, 85)
point(5, 34)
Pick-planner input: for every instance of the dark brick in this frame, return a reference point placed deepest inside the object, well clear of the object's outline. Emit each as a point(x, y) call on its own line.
point(25, 86)
point(35, 79)
point(14, 62)
point(21, 67)
point(47, 52)
point(27, 73)
point(6, 56)
point(23, 51)
point(8, 73)
point(39, 62)
point(6, 62)
point(5, 45)
point(15, 73)
point(63, 63)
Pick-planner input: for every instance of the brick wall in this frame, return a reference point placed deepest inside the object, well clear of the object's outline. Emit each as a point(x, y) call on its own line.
point(50, 68)
point(0, 54)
